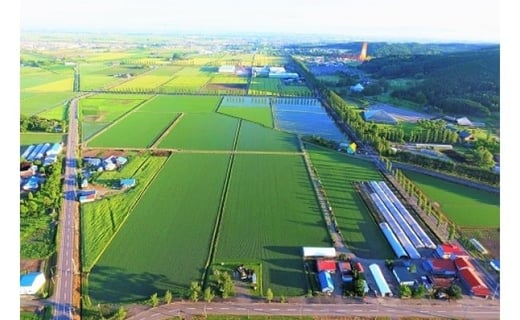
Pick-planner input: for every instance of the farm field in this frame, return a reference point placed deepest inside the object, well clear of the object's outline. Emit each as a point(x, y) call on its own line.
point(33, 138)
point(337, 173)
point(188, 79)
point(254, 137)
point(260, 115)
point(465, 206)
point(181, 103)
point(123, 134)
point(101, 219)
point(96, 112)
point(202, 131)
point(174, 220)
point(150, 80)
point(271, 211)
point(99, 75)
point(37, 103)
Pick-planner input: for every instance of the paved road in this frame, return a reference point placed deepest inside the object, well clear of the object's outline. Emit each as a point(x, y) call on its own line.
point(62, 299)
point(380, 307)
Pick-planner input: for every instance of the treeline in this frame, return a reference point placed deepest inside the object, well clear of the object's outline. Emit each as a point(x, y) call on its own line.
point(35, 123)
point(458, 83)
point(363, 132)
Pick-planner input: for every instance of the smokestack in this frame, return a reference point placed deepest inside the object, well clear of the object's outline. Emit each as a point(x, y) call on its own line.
point(363, 55)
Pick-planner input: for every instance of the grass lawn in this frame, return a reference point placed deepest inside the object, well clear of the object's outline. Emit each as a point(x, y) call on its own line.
point(465, 206)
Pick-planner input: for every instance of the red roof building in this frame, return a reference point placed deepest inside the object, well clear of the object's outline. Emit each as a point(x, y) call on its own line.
point(326, 265)
point(462, 263)
point(474, 283)
point(450, 251)
point(445, 267)
point(359, 267)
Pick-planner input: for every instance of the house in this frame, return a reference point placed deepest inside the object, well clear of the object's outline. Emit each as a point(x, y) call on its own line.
point(121, 161)
point(449, 251)
point(403, 276)
point(110, 163)
point(226, 69)
point(126, 183)
point(87, 196)
point(345, 269)
point(31, 282)
point(495, 264)
point(49, 160)
point(32, 183)
point(326, 284)
point(440, 267)
point(55, 149)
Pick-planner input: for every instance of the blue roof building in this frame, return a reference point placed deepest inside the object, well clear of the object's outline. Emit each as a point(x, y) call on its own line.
point(126, 183)
point(326, 283)
point(31, 282)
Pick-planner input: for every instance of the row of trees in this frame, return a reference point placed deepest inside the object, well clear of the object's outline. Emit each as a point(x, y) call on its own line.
point(372, 134)
point(35, 123)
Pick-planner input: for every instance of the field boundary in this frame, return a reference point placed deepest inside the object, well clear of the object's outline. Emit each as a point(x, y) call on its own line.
point(221, 209)
point(166, 131)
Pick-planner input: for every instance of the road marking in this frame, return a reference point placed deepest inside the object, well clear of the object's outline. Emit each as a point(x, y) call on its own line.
point(274, 309)
point(256, 309)
point(341, 310)
point(224, 308)
point(357, 310)
point(241, 308)
point(210, 308)
point(291, 309)
point(156, 314)
point(191, 308)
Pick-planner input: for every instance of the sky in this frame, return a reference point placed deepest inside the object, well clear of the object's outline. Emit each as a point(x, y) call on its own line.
point(441, 20)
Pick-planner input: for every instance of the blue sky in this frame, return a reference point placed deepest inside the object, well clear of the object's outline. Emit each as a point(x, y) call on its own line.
point(446, 20)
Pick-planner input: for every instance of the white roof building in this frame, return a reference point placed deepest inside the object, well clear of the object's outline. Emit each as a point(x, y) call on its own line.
point(31, 282)
point(319, 252)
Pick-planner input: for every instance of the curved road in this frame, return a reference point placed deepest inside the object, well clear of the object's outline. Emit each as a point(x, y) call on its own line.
point(64, 277)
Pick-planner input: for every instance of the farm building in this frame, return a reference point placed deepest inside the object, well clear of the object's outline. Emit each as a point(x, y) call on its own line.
point(350, 148)
point(357, 88)
point(84, 183)
point(473, 282)
point(403, 276)
point(326, 265)
point(31, 282)
point(260, 71)
point(93, 162)
point(226, 69)
point(441, 267)
point(382, 285)
point(462, 263)
point(478, 245)
point(27, 151)
point(450, 251)
point(463, 121)
point(55, 149)
point(466, 136)
point(495, 264)
point(319, 252)
point(87, 196)
point(346, 271)
point(49, 160)
point(392, 240)
point(277, 70)
point(33, 183)
point(126, 183)
point(379, 116)
point(326, 284)
point(110, 163)
point(284, 75)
